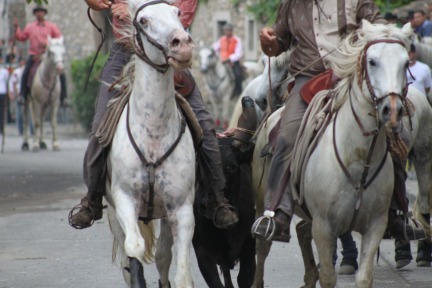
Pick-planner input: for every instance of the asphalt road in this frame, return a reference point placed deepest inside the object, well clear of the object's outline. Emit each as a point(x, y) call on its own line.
point(38, 249)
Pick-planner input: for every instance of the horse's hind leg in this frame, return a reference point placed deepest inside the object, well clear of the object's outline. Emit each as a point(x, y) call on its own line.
point(370, 242)
point(164, 254)
point(325, 243)
point(182, 226)
point(262, 251)
point(55, 144)
point(304, 236)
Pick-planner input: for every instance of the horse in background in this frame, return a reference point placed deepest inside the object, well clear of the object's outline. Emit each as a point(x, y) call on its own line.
point(219, 83)
point(150, 146)
point(259, 87)
point(373, 81)
point(44, 94)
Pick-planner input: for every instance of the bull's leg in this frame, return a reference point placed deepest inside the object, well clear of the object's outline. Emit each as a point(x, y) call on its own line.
point(182, 223)
point(325, 243)
point(304, 236)
point(371, 239)
point(227, 278)
point(164, 254)
point(262, 251)
point(208, 266)
point(136, 273)
point(247, 263)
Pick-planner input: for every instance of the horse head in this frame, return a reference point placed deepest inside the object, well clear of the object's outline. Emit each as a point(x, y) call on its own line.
point(207, 58)
point(160, 39)
point(55, 53)
point(381, 56)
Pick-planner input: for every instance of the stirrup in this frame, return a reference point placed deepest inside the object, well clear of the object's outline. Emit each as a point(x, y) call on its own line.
point(269, 217)
point(79, 207)
point(409, 216)
point(219, 208)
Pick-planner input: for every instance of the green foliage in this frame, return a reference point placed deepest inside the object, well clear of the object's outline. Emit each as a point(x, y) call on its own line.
point(392, 4)
point(40, 2)
point(84, 103)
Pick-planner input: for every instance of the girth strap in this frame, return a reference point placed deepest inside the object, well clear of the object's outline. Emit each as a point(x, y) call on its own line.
point(151, 166)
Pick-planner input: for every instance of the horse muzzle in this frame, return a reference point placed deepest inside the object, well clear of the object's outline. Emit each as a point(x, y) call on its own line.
point(180, 50)
point(390, 111)
point(60, 68)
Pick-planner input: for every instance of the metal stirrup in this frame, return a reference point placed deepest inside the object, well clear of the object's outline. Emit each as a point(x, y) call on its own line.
point(269, 216)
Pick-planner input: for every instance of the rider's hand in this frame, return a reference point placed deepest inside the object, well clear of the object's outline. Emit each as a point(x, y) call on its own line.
point(269, 43)
point(99, 5)
point(120, 10)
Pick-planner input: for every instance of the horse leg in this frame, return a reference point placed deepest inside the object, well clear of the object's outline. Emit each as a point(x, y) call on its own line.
point(371, 239)
point(304, 236)
point(25, 112)
point(134, 242)
point(226, 108)
point(55, 144)
point(182, 227)
point(262, 251)
point(247, 263)
point(164, 254)
point(36, 113)
point(42, 143)
point(325, 243)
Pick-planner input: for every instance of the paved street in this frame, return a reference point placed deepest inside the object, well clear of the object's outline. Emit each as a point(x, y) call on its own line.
point(38, 249)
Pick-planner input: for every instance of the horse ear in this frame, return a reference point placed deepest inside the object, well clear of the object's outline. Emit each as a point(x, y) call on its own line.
point(407, 30)
point(366, 25)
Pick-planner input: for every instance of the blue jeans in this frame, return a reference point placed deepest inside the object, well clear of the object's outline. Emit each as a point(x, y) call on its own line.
point(20, 119)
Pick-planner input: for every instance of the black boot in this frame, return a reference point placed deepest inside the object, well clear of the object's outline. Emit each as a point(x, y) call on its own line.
point(89, 211)
point(275, 228)
point(402, 253)
point(397, 228)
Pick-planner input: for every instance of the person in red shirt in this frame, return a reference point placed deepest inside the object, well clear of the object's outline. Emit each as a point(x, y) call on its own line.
point(209, 160)
point(37, 34)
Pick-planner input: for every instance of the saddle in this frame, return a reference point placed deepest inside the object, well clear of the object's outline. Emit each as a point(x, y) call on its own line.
point(33, 70)
point(324, 81)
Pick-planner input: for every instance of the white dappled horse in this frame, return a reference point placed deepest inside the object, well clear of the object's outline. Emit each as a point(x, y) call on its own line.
point(152, 150)
point(372, 87)
point(45, 93)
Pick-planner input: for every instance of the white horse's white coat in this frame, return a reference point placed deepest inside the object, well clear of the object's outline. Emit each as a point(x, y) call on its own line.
point(45, 93)
point(155, 124)
point(329, 195)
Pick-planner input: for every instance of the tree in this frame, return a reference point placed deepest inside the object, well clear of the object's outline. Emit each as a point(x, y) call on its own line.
point(40, 2)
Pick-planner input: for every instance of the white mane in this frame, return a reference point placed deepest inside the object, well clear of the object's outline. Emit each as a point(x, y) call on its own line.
point(345, 62)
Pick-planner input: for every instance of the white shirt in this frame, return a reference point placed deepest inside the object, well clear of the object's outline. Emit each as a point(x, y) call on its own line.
point(4, 76)
point(15, 79)
point(422, 75)
point(238, 52)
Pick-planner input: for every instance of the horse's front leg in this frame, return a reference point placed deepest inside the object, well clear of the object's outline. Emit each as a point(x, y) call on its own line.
point(25, 116)
point(262, 251)
point(37, 121)
point(182, 223)
point(55, 144)
point(325, 243)
point(164, 254)
point(370, 242)
point(304, 236)
point(42, 143)
point(134, 243)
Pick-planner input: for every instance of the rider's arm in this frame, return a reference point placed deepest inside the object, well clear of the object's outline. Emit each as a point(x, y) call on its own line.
point(99, 5)
point(276, 40)
point(366, 9)
point(238, 52)
point(216, 46)
point(21, 35)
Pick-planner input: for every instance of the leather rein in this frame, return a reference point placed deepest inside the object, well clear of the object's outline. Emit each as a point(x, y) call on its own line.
point(150, 167)
point(363, 184)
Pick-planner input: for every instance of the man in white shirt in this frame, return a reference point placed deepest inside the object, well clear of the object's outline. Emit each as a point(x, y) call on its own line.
point(421, 72)
point(14, 96)
point(4, 76)
point(229, 48)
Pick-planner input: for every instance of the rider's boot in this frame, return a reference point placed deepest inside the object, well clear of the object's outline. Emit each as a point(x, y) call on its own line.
point(89, 211)
point(403, 254)
point(398, 228)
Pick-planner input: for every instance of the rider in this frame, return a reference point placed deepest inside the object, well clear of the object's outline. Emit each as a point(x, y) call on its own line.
point(217, 208)
point(311, 29)
point(37, 33)
point(230, 51)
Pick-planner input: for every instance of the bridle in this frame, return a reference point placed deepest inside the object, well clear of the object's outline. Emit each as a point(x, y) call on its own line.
point(140, 51)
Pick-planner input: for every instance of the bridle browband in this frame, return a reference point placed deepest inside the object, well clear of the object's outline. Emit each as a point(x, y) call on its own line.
point(140, 51)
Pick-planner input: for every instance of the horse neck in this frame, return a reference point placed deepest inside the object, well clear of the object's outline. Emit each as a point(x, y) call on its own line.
point(350, 139)
point(47, 70)
point(152, 102)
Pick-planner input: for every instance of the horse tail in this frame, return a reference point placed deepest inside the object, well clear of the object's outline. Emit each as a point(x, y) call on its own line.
point(148, 233)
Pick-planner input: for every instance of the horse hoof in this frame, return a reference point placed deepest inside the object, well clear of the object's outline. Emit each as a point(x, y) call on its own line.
point(347, 270)
point(402, 263)
point(43, 145)
point(160, 284)
point(25, 146)
point(423, 263)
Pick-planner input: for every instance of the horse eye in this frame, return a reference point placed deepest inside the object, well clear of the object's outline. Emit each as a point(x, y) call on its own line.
point(144, 21)
point(372, 62)
point(179, 13)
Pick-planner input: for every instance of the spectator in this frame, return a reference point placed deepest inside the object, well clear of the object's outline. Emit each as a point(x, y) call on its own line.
point(4, 76)
point(423, 27)
point(14, 96)
point(421, 72)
